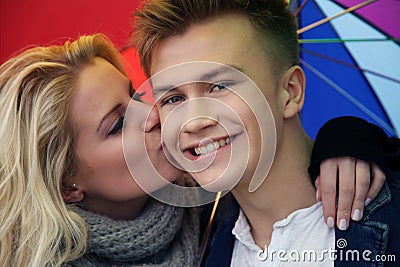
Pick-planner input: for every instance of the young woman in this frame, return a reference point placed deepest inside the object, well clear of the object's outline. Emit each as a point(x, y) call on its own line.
point(62, 111)
point(66, 193)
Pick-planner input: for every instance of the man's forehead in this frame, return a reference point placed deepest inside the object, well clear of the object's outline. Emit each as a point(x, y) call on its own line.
point(218, 39)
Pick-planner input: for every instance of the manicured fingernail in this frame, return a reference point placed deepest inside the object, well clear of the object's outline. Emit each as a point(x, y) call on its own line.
point(316, 195)
point(330, 222)
point(356, 215)
point(342, 224)
point(368, 201)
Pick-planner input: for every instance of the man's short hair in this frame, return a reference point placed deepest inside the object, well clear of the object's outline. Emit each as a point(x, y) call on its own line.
point(274, 22)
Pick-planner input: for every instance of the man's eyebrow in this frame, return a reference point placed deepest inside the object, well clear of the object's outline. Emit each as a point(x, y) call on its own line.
point(115, 108)
point(203, 78)
point(163, 89)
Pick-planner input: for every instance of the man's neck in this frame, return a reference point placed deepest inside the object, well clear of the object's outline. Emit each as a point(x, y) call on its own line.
point(286, 189)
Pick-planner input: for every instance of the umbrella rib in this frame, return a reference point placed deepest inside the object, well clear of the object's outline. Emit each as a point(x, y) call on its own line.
point(209, 226)
point(350, 65)
point(350, 98)
point(300, 8)
point(339, 40)
point(325, 20)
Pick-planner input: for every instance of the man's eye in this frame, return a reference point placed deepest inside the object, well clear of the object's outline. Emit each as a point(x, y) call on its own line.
point(218, 87)
point(117, 128)
point(172, 100)
point(221, 86)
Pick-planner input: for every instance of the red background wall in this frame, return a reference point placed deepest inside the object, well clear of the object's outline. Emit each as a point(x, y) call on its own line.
point(24, 22)
point(41, 22)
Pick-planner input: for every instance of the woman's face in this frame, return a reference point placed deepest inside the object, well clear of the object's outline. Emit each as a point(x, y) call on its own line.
point(98, 107)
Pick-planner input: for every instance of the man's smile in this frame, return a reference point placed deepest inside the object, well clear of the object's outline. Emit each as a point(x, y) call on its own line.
point(207, 146)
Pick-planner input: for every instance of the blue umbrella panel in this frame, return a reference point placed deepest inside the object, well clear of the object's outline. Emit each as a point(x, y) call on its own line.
point(354, 77)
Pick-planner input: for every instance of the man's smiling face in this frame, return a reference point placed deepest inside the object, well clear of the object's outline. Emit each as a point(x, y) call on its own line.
point(208, 109)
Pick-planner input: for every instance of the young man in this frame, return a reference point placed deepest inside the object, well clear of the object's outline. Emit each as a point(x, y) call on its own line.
point(202, 54)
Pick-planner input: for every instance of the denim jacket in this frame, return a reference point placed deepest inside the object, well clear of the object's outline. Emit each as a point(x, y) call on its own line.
point(366, 243)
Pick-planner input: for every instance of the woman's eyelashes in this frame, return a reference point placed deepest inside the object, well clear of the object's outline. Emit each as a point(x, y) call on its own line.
point(117, 127)
point(118, 124)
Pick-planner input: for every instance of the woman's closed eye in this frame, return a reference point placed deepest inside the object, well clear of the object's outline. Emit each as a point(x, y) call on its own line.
point(117, 126)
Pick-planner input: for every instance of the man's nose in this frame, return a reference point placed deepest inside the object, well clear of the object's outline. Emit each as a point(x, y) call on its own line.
point(199, 123)
point(198, 114)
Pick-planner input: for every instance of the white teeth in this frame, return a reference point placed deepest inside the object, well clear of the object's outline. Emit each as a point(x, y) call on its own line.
point(211, 146)
point(203, 150)
point(221, 142)
point(217, 145)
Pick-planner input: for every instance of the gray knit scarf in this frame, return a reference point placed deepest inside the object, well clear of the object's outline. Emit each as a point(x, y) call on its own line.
point(162, 235)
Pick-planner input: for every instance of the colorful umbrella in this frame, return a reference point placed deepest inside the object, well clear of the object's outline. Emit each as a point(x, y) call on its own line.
point(352, 62)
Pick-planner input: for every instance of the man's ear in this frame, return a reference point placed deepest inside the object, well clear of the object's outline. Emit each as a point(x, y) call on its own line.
point(72, 193)
point(294, 82)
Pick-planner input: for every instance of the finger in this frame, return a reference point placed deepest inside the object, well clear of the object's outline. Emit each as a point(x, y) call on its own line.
point(378, 179)
point(346, 191)
point(328, 176)
point(318, 187)
point(362, 186)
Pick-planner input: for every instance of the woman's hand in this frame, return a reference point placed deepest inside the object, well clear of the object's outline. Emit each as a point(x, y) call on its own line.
point(358, 183)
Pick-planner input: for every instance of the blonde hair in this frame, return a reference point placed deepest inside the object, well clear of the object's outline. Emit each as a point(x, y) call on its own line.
point(37, 151)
